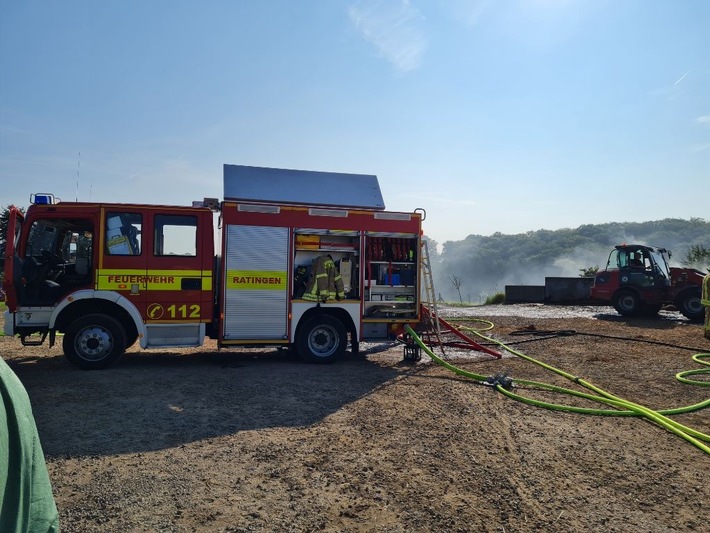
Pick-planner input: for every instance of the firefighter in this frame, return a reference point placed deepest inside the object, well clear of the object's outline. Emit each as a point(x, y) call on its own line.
point(325, 282)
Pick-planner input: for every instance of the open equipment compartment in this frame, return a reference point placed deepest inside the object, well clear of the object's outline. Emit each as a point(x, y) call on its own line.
point(342, 246)
point(390, 277)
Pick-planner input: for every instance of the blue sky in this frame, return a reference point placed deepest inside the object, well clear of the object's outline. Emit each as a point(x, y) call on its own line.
point(493, 115)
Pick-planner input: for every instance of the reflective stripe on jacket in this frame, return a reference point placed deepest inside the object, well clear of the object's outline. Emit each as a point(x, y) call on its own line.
point(325, 282)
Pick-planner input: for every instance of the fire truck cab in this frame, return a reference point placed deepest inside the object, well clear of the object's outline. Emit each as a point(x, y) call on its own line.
point(106, 275)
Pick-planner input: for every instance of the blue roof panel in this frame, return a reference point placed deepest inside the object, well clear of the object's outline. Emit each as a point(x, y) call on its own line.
point(301, 187)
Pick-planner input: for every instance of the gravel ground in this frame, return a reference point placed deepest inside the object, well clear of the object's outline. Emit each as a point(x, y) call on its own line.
point(236, 441)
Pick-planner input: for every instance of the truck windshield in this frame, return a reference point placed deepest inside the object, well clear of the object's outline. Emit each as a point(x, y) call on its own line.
point(43, 236)
point(69, 240)
point(660, 262)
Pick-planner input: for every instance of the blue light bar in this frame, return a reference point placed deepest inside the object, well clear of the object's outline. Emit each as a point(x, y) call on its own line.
point(42, 199)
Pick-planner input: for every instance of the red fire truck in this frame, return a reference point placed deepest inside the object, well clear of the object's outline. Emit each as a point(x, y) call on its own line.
point(107, 275)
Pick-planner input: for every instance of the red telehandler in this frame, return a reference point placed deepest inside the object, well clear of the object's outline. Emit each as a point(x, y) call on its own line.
point(638, 281)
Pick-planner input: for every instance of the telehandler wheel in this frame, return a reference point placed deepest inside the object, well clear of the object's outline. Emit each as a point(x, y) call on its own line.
point(626, 303)
point(94, 341)
point(322, 339)
point(690, 305)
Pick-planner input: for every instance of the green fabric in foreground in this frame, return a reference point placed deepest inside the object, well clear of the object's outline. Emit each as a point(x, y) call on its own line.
point(26, 500)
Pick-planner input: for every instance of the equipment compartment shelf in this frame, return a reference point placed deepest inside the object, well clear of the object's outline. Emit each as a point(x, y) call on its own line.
point(389, 310)
point(384, 288)
point(347, 250)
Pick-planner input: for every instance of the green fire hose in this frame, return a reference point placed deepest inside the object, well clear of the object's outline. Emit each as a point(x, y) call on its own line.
point(618, 406)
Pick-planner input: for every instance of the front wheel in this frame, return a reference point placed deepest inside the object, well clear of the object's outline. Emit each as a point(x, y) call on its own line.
point(626, 303)
point(322, 339)
point(94, 341)
point(690, 305)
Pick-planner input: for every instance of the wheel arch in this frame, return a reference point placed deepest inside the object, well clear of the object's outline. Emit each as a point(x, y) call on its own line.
point(90, 302)
point(336, 312)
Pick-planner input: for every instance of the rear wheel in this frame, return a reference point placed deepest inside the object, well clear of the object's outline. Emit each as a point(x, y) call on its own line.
point(626, 303)
point(322, 339)
point(690, 305)
point(94, 341)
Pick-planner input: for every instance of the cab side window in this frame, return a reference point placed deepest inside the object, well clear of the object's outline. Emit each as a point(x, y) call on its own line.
point(123, 233)
point(175, 235)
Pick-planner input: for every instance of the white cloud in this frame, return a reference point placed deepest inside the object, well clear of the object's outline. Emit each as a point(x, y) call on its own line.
point(705, 119)
point(394, 28)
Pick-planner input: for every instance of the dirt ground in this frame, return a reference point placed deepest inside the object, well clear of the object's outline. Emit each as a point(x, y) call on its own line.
point(236, 441)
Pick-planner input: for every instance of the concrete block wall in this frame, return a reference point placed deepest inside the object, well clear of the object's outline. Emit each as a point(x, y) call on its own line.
point(567, 290)
point(515, 294)
point(555, 290)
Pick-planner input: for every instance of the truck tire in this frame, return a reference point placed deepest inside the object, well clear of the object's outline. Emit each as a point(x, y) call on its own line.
point(93, 342)
point(132, 340)
point(690, 305)
point(322, 339)
point(627, 303)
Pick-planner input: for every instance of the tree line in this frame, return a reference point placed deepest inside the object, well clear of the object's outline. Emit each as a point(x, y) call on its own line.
point(477, 267)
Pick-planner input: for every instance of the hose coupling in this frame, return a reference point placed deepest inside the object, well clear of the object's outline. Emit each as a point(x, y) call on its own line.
point(500, 378)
